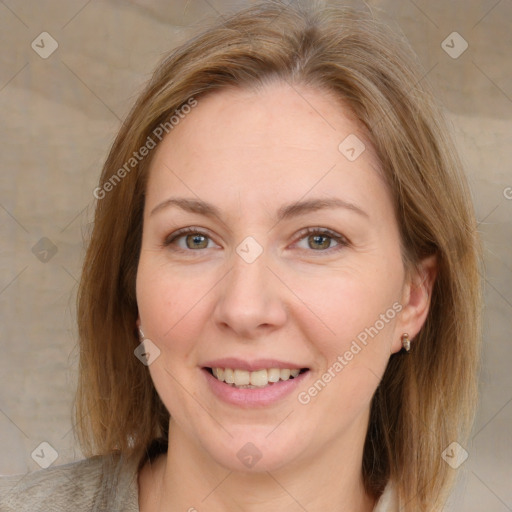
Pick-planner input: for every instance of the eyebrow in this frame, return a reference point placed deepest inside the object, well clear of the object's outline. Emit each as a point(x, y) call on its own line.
point(200, 207)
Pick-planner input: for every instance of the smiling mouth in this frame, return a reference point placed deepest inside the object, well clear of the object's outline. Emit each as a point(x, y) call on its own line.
point(243, 379)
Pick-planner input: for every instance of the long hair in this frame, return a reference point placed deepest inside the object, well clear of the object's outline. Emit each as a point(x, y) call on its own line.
point(424, 401)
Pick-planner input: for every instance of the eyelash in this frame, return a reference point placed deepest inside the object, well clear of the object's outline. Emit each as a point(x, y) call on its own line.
point(341, 240)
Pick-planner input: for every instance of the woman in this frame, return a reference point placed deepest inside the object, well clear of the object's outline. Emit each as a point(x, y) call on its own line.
point(279, 306)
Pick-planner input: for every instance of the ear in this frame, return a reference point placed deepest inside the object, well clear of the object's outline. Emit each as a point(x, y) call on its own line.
point(416, 295)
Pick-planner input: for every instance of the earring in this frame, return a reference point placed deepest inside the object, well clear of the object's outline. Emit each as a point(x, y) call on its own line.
point(141, 334)
point(406, 342)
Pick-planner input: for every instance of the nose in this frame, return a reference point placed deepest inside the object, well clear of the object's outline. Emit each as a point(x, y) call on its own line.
point(251, 300)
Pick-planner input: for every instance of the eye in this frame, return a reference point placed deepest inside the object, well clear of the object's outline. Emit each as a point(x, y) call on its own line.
point(188, 239)
point(316, 239)
point(321, 240)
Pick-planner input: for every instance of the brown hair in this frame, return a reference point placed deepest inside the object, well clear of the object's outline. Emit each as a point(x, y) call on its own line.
point(426, 399)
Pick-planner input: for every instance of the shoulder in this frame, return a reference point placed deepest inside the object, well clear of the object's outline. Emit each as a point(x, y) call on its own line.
point(99, 483)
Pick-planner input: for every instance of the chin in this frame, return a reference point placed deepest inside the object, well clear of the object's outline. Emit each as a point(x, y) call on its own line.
point(255, 449)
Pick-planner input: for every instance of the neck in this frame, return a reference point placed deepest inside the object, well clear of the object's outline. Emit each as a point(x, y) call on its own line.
point(188, 479)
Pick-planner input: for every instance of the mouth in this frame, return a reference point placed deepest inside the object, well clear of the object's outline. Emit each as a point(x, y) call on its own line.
point(256, 379)
point(253, 383)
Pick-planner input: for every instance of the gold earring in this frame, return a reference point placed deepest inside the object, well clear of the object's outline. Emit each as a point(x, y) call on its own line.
point(406, 342)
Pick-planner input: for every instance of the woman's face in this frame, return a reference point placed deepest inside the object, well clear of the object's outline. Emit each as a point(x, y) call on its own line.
point(292, 261)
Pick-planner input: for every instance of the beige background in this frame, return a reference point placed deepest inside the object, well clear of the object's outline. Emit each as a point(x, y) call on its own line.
point(59, 117)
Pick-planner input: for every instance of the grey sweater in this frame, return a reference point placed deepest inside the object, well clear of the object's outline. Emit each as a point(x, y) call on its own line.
point(98, 484)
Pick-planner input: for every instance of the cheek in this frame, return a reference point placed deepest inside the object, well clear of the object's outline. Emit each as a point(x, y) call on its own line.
point(360, 306)
point(354, 358)
point(349, 304)
point(170, 301)
point(172, 314)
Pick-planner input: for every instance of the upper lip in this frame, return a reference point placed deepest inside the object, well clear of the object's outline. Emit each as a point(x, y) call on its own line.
point(253, 365)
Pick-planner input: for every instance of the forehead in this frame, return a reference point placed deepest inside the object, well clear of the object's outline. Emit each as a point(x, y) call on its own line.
point(275, 115)
point(261, 144)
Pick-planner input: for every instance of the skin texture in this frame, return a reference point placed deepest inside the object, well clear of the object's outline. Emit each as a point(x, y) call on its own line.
point(248, 152)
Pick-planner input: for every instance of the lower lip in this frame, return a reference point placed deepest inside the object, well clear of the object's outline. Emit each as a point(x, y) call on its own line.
point(252, 397)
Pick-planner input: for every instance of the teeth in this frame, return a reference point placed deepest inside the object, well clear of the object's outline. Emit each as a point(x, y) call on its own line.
point(274, 374)
point(259, 378)
point(242, 377)
point(228, 376)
